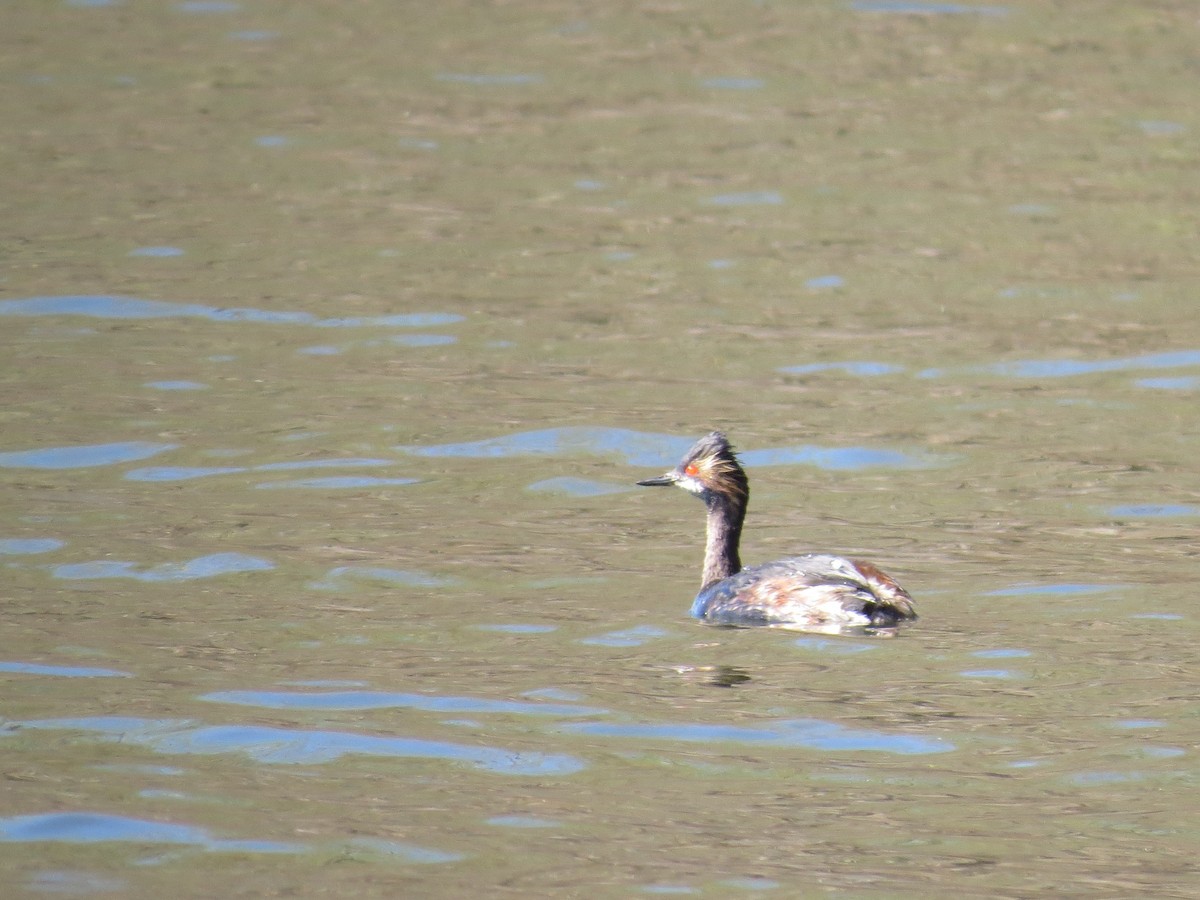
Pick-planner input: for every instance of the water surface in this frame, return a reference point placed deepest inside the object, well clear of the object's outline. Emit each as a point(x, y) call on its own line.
point(334, 342)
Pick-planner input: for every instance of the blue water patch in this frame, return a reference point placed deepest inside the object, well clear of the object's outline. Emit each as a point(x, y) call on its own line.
point(628, 637)
point(825, 282)
point(839, 647)
point(747, 198)
point(1003, 674)
point(637, 448)
point(163, 794)
point(22, 668)
point(338, 482)
point(1182, 383)
point(186, 473)
point(417, 143)
point(423, 340)
point(576, 487)
point(272, 140)
point(323, 463)
point(589, 184)
point(1001, 653)
point(837, 458)
point(320, 350)
point(865, 368)
point(470, 78)
point(1162, 752)
point(808, 733)
point(82, 457)
point(201, 567)
point(648, 449)
point(721, 264)
point(923, 8)
point(1154, 510)
point(156, 251)
point(338, 578)
point(733, 83)
point(91, 828)
point(1035, 590)
point(176, 385)
point(353, 700)
point(180, 473)
point(1140, 723)
point(554, 694)
point(523, 822)
point(297, 746)
point(1065, 368)
point(517, 628)
point(112, 307)
point(23, 546)
point(1163, 617)
point(376, 849)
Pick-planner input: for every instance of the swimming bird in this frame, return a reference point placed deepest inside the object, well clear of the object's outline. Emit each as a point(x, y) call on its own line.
point(814, 592)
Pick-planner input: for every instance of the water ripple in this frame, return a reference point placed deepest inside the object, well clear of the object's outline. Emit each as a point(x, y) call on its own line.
point(1034, 590)
point(22, 546)
point(523, 822)
point(365, 848)
point(82, 456)
point(926, 8)
point(61, 671)
point(1154, 510)
point(472, 78)
point(90, 828)
point(186, 473)
point(576, 487)
point(200, 567)
point(340, 577)
point(809, 733)
point(112, 307)
point(179, 473)
point(732, 83)
point(825, 282)
point(637, 448)
point(837, 458)
point(347, 700)
point(629, 637)
point(747, 198)
point(338, 482)
point(649, 449)
point(162, 252)
point(865, 368)
point(296, 746)
point(1065, 368)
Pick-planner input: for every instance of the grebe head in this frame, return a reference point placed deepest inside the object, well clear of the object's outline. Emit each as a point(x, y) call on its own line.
point(710, 471)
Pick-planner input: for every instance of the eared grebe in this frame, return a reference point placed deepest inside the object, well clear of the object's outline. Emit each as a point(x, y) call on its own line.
point(815, 592)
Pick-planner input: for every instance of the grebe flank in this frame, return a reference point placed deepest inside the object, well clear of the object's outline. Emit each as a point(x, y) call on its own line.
point(815, 592)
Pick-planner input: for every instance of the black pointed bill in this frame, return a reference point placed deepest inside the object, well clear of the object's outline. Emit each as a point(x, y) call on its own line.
point(661, 481)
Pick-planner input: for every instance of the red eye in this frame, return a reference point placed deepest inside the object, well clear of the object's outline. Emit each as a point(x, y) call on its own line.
point(691, 469)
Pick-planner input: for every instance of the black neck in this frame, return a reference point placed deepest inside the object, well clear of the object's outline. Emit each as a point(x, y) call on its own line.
point(724, 532)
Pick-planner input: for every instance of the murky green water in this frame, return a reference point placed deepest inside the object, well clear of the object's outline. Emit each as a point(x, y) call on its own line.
point(335, 335)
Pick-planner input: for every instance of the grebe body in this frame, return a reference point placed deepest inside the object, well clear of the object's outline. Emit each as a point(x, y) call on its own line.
point(815, 592)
